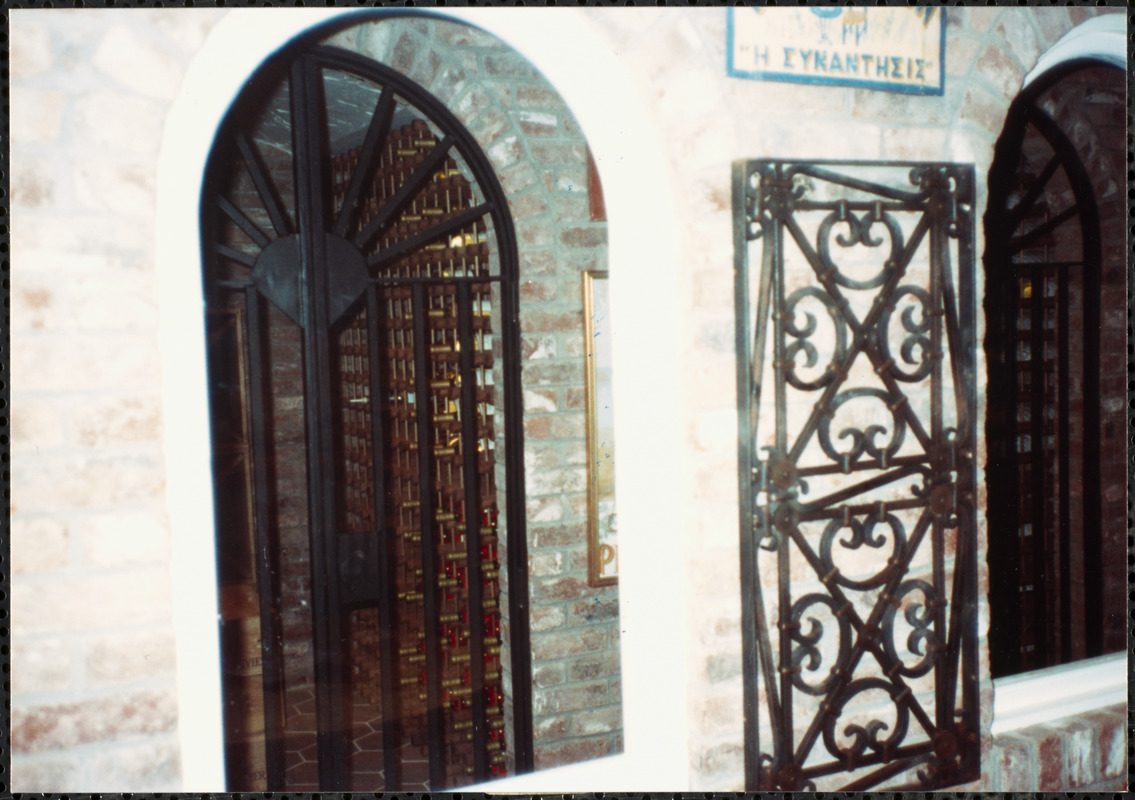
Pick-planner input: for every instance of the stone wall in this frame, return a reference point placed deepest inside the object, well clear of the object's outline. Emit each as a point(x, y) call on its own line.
point(92, 656)
point(93, 659)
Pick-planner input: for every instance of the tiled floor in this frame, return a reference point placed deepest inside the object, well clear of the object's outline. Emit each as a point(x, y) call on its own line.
point(365, 761)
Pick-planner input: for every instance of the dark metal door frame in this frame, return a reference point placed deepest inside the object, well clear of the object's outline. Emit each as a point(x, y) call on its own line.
point(783, 655)
point(291, 270)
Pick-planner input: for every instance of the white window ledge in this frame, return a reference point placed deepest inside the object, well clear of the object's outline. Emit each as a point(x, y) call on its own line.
point(1061, 691)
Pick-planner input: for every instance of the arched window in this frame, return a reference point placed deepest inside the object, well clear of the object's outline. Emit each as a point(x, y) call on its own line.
point(1055, 301)
point(361, 289)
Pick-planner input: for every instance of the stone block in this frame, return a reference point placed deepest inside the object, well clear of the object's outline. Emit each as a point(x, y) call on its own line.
point(572, 752)
point(558, 536)
point(57, 773)
point(537, 291)
point(560, 699)
point(544, 509)
point(112, 121)
point(127, 657)
point(545, 618)
point(138, 63)
point(32, 50)
point(33, 183)
point(1001, 70)
point(39, 545)
point(563, 643)
point(126, 187)
point(1082, 759)
point(560, 589)
point(545, 564)
point(132, 598)
point(113, 421)
point(154, 766)
point(42, 666)
point(104, 481)
point(594, 610)
point(537, 346)
point(566, 480)
point(122, 539)
point(36, 115)
point(597, 721)
point(1050, 758)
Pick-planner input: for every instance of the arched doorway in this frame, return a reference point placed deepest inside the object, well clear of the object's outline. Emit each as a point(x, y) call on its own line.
point(361, 293)
point(1055, 279)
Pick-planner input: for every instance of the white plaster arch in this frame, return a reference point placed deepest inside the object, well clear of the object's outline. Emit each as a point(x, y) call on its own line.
point(642, 230)
point(1103, 38)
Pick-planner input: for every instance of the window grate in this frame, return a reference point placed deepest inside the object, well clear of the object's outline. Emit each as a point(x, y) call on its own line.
point(857, 474)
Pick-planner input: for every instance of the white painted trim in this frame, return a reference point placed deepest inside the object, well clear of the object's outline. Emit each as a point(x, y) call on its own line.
point(1103, 37)
point(642, 232)
point(1061, 691)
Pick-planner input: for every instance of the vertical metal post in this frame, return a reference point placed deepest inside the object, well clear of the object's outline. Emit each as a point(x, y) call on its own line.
point(1094, 568)
point(515, 510)
point(385, 543)
point(750, 710)
point(1064, 420)
point(307, 119)
point(272, 666)
point(429, 551)
point(475, 609)
point(1037, 464)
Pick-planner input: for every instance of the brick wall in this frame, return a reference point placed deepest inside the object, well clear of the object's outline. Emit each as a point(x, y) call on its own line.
point(1086, 752)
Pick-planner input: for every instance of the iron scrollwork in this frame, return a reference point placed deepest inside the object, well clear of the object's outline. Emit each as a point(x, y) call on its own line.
point(866, 656)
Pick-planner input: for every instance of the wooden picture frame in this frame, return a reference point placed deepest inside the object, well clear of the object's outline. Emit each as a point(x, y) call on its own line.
point(602, 545)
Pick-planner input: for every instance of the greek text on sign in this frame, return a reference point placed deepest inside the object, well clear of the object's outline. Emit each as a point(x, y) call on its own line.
point(893, 48)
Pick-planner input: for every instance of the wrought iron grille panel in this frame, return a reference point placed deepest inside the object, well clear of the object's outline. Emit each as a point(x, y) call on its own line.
point(856, 409)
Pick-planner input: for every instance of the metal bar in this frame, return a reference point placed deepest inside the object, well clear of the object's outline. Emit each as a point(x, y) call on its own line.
point(748, 390)
point(270, 639)
point(1026, 240)
point(939, 262)
point(377, 132)
point(235, 255)
point(411, 243)
point(305, 86)
point(243, 222)
point(386, 559)
point(1016, 215)
point(405, 192)
point(264, 186)
point(1064, 420)
point(515, 509)
point(429, 534)
point(911, 198)
point(1094, 569)
point(782, 725)
point(1037, 463)
point(965, 559)
point(476, 609)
